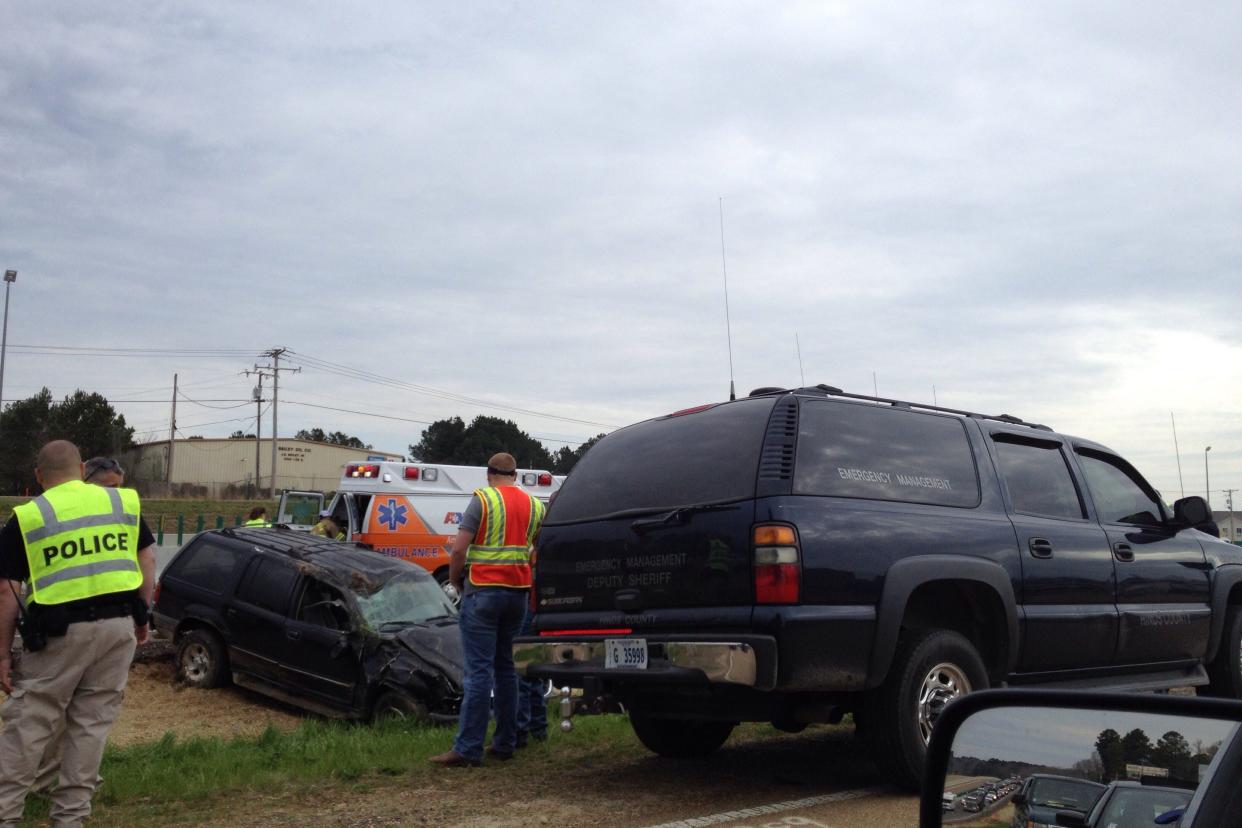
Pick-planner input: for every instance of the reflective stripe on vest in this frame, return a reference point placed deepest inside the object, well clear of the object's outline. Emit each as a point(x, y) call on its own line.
point(81, 541)
point(500, 554)
point(255, 522)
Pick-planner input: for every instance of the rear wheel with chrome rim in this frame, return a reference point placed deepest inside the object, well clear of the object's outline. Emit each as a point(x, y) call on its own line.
point(930, 669)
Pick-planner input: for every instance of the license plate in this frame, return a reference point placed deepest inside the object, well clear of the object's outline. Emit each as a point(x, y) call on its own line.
point(625, 653)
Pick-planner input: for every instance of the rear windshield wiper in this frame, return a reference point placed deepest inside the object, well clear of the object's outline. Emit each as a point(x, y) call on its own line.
point(676, 516)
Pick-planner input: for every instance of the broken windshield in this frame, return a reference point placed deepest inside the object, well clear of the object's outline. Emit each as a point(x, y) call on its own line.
point(406, 599)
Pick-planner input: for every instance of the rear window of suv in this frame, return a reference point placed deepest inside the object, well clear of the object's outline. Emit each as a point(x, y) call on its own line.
point(855, 450)
point(206, 565)
point(708, 456)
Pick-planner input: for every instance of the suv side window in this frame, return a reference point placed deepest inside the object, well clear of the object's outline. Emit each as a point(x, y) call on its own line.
point(316, 607)
point(1038, 478)
point(267, 584)
point(866, 451)
point(1120, 495)
point(206, 565)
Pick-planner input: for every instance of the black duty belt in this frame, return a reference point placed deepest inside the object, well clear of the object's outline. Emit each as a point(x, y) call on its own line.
point(96, 612)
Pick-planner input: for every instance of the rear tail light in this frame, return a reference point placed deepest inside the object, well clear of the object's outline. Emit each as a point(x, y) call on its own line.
point(367, 471)
point(777, 564)
point(411, 473)
point(155, 596)
point(545, 480)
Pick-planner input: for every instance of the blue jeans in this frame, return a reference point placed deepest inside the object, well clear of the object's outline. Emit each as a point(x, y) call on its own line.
point(532, 714)
point(490, 619)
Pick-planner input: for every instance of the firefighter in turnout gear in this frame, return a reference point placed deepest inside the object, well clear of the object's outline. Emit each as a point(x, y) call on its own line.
point(490, 567)
point(89, 561)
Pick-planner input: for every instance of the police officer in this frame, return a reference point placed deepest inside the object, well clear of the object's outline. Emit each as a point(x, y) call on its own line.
point(490, 566)
point(90, 563)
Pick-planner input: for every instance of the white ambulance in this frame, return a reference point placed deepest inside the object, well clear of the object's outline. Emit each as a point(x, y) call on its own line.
point(405, 510)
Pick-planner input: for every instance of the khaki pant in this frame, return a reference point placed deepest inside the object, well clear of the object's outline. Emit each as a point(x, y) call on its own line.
point(77, 682)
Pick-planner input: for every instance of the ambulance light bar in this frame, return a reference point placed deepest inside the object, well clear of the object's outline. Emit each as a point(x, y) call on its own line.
point(367, 471)
point(411, 472)
point(534, 479)
point(427, 475)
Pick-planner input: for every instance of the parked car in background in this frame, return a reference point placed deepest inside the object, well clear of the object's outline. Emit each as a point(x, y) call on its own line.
point(327, 626)
point(1125, 804)
point(1044, 795)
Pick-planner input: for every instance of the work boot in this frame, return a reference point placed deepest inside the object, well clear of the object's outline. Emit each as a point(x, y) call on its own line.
point(499, 755)
point(452, 759)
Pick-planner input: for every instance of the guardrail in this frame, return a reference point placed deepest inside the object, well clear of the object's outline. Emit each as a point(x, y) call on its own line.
point(200, 524)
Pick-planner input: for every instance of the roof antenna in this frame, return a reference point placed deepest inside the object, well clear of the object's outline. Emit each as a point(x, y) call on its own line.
point(728, 327)
point(801, 373)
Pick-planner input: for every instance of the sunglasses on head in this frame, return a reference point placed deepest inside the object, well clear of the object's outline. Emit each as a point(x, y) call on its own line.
point(94, 467)
point(498, 472)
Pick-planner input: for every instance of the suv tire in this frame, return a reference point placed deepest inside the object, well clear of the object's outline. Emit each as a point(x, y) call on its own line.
point(930, 669)
point(393, 704)
point(679, 739)
point(1225, 671)
point(201, 659)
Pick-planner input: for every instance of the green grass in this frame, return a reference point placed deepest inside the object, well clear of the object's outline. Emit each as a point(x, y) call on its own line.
point(168, 778)
point(153, 509)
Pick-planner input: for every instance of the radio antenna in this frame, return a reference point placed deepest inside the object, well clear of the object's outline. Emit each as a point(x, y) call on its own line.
point(728, 325)
point(1177, 451)
point(801, 373)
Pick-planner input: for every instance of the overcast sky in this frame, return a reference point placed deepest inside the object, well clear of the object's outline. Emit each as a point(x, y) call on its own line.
point(1033, 208)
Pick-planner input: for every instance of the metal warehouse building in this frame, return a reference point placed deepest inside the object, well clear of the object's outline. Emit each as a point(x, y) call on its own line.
point(225, 468)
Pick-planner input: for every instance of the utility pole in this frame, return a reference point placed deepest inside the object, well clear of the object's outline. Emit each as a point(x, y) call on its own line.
point(275, 355)
point(1229, 506)
point(260, 372)
point(10, 276)
point(172, 436)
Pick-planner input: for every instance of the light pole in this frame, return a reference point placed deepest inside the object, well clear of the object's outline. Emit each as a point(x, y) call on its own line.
point(1207, 479)
point(10, 276)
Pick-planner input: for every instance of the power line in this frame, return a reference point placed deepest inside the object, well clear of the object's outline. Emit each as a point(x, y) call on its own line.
point(367, 376)
point(417, 422)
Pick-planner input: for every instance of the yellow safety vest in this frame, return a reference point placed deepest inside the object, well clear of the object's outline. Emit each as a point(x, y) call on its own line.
point(500, 554)
point(81, 541)
point(256, 522)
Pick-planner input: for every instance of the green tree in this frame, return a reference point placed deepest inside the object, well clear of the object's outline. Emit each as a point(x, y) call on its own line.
point(566, 458)
point(1112, 755)
point(440, 441)
point(23, 429)
point(240, 435)
point(335, 438)
point(1136, 747)
point(85, 419)
point(451, 441)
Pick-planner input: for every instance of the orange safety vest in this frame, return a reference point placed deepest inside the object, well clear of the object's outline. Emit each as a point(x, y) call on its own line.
point(500, 554)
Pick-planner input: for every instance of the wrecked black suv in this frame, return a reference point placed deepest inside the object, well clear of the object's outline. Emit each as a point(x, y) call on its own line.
point(327, 626)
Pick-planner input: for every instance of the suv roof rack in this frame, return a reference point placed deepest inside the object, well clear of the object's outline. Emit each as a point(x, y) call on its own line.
point(833, 391)
point(301, 545)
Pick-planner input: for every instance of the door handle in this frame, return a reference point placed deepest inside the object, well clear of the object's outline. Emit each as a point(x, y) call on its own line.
point(294, 634)
point(1123, 551)
point(1040, 547)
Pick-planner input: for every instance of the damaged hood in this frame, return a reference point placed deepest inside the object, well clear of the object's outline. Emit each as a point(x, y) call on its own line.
point(438, 644)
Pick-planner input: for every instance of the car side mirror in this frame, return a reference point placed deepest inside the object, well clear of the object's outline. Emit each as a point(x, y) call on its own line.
point(1079, 758)
point(1194, 512)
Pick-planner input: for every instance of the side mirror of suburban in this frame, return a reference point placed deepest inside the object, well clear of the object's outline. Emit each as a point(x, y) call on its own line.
point(1193, 512)
point(1056, 757)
